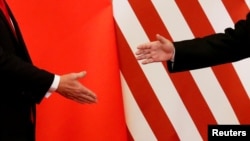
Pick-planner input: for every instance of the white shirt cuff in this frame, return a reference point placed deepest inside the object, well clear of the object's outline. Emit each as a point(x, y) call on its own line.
point(53, 86)
point(172, 59)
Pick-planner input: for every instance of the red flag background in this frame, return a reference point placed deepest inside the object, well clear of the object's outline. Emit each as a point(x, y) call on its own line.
point(65, 36)
point(70, 36)
point(172, 107)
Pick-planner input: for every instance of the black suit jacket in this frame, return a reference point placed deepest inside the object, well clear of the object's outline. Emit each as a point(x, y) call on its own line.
point(230, 46)
point(22, 85)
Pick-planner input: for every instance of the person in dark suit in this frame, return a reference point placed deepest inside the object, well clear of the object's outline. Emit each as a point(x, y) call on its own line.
point(230, 46)
point(24, 85)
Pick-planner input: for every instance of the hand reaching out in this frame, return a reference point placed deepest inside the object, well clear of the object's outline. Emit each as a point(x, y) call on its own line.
point(71, 88)
point(160, 50)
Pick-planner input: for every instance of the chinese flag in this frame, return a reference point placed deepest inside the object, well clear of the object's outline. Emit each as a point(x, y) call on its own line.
point(70, 36)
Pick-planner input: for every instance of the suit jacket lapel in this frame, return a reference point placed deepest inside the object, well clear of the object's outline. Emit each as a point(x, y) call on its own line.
point(18, 34)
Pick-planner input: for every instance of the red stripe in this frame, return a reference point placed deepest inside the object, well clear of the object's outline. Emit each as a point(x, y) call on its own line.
point(149, 18)
point(203, 109)
point(236, 13)
point(235, 92)
point(195, 17)
point(129, 136)
point(143, 93)
point(184, 82)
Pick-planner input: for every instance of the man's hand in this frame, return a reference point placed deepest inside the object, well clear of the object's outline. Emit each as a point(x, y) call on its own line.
point(71, 88)
point(160, 50)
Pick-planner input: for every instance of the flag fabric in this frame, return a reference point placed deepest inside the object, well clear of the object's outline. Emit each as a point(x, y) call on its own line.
point(179, 106)
point(71, 36)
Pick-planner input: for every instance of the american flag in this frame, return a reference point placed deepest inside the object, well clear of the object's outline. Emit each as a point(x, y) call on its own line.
point(179, 106)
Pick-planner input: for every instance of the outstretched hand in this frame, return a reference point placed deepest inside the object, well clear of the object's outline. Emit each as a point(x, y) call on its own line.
point(71, 88)
point(157, 51)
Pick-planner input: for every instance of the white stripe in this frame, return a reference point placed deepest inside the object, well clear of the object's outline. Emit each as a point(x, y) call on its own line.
point(172, 17)
point(165, 10)
point(243, 68)
point(137, 125)
point(248, 3)
point(156, 74)
point(215, 97)
point(217, 15)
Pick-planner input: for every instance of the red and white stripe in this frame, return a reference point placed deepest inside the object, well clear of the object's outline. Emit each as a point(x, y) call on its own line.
point(179, 106)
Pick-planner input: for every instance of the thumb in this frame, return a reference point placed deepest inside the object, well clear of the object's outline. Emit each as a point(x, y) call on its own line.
point(160, 38)
point(80, 74)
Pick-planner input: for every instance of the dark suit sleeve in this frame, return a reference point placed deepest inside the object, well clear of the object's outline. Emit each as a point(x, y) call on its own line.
point(220, 48)
point(23, 78)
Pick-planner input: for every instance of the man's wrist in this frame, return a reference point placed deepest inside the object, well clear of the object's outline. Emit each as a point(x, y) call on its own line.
point(53, 86)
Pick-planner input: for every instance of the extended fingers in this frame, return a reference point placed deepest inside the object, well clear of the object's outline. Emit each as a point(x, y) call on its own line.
point(89, 95)
point(144, 56)
point(85, 98)
point(143, 51)
point(147, 61)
